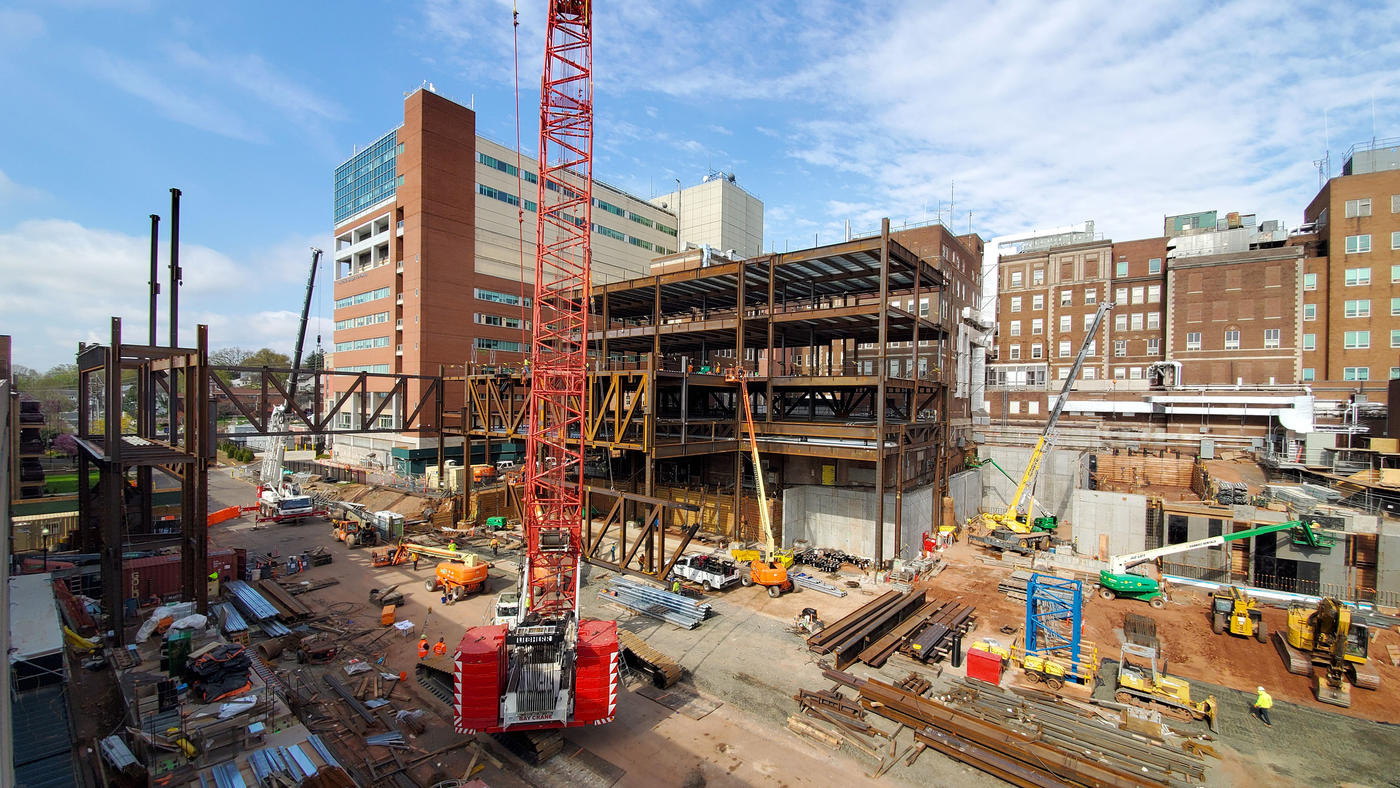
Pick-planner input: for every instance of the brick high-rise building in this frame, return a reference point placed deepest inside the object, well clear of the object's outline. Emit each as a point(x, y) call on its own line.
point(1351, 317)
point(430, 269)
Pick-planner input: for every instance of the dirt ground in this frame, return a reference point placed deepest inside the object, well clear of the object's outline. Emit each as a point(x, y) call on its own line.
point(744, 663)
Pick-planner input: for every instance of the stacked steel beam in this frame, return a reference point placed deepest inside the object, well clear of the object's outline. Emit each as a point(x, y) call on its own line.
point(808, 581)
point(648, 600)
point(1056, 751)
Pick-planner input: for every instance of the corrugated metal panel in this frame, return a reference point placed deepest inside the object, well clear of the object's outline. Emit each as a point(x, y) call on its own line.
point(43, 747)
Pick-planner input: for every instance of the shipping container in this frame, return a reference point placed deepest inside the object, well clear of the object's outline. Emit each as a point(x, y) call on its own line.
point(159, 575)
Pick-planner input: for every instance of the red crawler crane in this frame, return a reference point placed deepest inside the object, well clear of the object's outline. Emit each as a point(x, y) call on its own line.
point(551, 669)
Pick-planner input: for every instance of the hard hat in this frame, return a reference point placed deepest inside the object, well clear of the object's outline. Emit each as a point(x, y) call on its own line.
point(1261, 689)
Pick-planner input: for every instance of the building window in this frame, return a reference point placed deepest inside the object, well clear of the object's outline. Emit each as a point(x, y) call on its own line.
point(1395, 203)
point(1061, 373)
point(1015, 353)
point(1309, 311)
point(1090, 373)
point(1037, 303)
point(1037, 326)
point(1066, 322)
point(1395, 337)
point(1154, 320)
point(1357, 244)
point(1232, 339)
point(1038, 276)
point(1137, 295)
point(1395, 273)
point(1037, 351)
point(1120, 373)
point(1121, 295)
point(1135, 373)
point(1394, 373)
point(1093, 348)
point(1015, 328)
point(1120, 322)
point(1064, 348)
point(1271, 337)
point(1015, 278)
point(1015, 407)
point(1356, 340)
point(1033, 407)
point(360, 298)
point(1310, 341)
point(1121, 269)
point(1066, 298)
point(362, 320)
point(1120, 348)
point(1395, 307)
point(1091, 296)
point(497, 320)
point(487, 343)
point(1193, 340)
point(1309, 374)
point(1136, 319)
point(1309, 281)
point(1358, 276)
point(361, 344)
point(1356, 373)
point(1154, 265)
point(1154, 294)
point(1088, 321)
point(1359, 207)
point(1360, 307)
point(509, 299)
point(1154, 346)
point(1015, 303)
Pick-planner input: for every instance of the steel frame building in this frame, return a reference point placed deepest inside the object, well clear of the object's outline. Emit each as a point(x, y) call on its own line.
point(839, 373)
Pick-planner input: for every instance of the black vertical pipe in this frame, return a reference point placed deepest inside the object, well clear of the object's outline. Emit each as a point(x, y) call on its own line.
point(175, 274)
point(155, 274)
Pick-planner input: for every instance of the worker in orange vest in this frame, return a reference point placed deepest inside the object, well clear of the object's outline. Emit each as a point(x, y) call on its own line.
point(423, 648)
point(439, 648)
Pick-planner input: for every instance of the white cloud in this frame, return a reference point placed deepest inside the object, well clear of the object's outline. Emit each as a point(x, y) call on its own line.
point(64, 282)
point(18, 26)
point(12, 193)
point(252, 74)
point(190, 108)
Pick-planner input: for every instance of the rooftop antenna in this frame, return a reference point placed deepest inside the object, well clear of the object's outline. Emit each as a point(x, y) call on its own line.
point(951, 184)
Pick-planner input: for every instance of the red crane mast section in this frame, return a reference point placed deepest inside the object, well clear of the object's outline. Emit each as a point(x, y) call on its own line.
point(551, 668)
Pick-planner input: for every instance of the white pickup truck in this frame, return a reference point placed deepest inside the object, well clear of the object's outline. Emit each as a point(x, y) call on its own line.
point(710, 571)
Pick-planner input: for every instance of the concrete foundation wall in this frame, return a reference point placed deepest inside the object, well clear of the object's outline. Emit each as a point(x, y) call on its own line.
point(1120, 516)
point(1388, 558)
point(966, 491)
point(844, 519)
point(1061, 473)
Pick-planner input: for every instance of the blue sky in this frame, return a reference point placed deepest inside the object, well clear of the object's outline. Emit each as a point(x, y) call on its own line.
point(828, 111)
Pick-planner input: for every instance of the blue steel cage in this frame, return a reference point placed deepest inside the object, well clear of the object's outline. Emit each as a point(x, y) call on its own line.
point(1054, 615)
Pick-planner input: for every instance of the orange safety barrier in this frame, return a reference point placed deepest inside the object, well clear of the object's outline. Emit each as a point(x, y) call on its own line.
point(227, 513)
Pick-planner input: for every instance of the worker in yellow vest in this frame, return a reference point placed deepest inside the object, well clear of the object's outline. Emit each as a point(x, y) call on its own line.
point(1262, 704)
point(423, 647)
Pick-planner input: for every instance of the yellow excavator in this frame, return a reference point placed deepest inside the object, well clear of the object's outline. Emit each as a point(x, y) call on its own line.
point(767, 569)
point(1007, 529)
point(1328, 636)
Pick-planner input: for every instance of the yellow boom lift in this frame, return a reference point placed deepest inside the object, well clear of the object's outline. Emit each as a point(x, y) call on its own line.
point(768, 569)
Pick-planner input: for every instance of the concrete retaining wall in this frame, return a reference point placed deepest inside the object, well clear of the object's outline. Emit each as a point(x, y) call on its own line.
point(1061, 473)
point(844, 519)
point(966, 491)
point(1122, 516)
